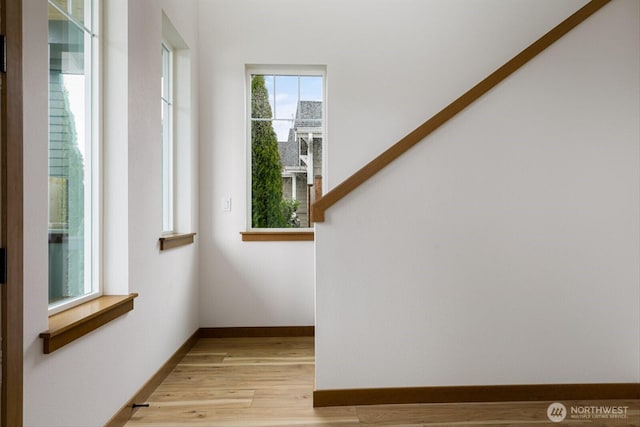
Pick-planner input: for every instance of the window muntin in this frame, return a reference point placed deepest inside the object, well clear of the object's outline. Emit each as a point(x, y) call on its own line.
point(286, 145)
point(167, 141)
point(73, 198)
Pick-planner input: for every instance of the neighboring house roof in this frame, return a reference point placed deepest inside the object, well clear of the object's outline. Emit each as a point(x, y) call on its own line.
point(309, 114)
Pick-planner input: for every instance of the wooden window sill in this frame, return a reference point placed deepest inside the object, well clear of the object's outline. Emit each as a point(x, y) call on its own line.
point(277, 236)
point(174, 240)
point(69, 325)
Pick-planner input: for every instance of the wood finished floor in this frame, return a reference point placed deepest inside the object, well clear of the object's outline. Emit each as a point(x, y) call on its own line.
point(269, 382)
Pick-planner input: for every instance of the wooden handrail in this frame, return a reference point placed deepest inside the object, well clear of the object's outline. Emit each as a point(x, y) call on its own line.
point(399, 148)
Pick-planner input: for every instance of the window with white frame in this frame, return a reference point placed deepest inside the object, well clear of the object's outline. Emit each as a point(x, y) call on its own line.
point(167, 140)
point(73, 207)
point(286, 145)
point(177, 130)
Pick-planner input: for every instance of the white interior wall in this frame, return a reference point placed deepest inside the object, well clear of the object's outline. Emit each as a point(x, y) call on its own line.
point(389, 67)
point(87, 381)
point(504, 249)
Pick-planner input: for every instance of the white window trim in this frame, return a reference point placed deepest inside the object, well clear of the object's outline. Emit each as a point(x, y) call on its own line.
point(281, 70)
point(95, 228)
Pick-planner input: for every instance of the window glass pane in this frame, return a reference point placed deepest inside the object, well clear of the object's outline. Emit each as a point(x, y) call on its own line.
point(311, 88)
point(167, 142)
point(262, 98)
point(286, 152)
point(75, 8)
point(69, 159)
point(166, 66)
point(286, 95)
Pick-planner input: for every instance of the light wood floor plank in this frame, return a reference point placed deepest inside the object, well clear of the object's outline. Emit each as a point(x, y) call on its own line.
point(283, 397)
point(217, 403)
point(203, 358)
point(165, 393)
point(196, 415)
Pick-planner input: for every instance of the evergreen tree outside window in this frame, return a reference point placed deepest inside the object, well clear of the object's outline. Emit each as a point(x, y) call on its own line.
point(266, 187)
point(286, 145)
point(72, 147)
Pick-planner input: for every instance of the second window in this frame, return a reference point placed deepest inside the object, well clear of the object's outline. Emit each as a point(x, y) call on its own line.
point(287, 142)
